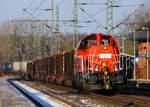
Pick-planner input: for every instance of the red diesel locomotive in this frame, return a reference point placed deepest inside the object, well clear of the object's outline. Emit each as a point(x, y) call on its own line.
point(97, 63)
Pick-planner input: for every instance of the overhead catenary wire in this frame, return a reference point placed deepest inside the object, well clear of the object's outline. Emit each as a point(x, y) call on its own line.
point(122, 22)
point(92, 17)
point(117, 3)
point(39, 19)
point(46, 9)
point(127, 5)
point(30, 4)
point(98, 12)
point(91, 4)
point(38, 6)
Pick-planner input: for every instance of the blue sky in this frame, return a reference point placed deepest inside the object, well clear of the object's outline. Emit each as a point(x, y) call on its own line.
point(12, 9)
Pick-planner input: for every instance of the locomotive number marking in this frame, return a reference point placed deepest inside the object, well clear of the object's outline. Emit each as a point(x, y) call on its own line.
point(108, 55)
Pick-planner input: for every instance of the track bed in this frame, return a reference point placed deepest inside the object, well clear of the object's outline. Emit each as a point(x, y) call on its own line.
point(75, 98)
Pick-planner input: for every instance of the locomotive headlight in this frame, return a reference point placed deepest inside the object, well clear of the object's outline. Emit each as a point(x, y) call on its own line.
point(115, 68)
point(96, 68)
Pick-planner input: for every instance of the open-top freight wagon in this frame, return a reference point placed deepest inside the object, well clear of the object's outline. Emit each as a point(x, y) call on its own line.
point(93, 65)
point(56, 69)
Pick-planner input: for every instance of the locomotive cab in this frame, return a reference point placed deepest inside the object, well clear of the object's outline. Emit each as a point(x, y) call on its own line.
point(97, 60)
point(97, 50)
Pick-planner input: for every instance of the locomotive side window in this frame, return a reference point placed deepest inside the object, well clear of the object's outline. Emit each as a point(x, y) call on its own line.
point(105, 41)
point(113, 43)
point(83, 44)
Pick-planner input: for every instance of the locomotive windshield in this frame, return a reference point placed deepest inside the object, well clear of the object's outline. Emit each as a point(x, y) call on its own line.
point(90, 40)
point(86, 43)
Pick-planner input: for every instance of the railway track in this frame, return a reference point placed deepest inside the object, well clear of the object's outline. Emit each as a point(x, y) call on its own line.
point(76, 99)
point(127, 100)
point(137, 101)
